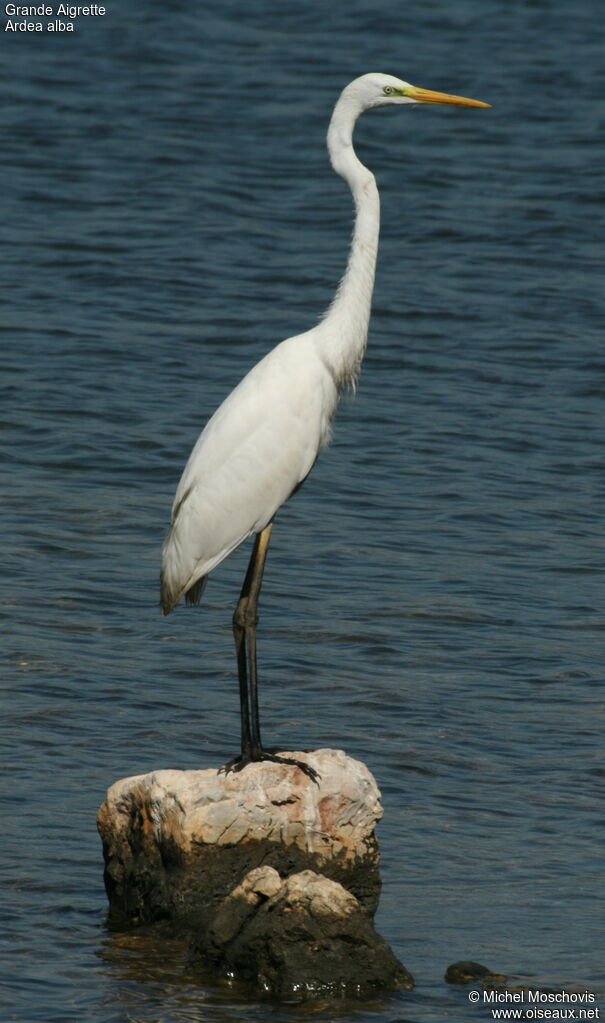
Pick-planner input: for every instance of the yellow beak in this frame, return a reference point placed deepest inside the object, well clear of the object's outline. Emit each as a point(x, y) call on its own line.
point(428, 96)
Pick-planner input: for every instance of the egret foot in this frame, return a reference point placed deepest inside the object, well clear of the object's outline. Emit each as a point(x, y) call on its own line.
point(238, 763)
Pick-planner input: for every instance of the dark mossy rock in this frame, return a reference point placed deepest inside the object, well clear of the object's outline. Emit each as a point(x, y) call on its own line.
point(466, 970)
point(301, 938)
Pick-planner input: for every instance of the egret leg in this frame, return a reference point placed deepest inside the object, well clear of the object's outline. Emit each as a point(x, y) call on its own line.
point(245, 621)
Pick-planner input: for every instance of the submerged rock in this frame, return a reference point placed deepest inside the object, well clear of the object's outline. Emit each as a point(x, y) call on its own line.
point(305, 936)
point(466, 970)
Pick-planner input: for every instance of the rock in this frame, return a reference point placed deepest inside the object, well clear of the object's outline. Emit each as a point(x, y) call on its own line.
point(237, 908)
point(465, 970)
point(176, 843)
point(302, 937)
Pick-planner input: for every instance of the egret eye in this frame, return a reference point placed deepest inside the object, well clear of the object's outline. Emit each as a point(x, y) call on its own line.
point(388, 90)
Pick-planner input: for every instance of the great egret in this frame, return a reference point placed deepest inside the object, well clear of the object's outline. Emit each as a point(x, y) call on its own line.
point(261, 443)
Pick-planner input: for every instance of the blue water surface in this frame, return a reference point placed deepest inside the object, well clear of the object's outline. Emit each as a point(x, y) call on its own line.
point(433, 601)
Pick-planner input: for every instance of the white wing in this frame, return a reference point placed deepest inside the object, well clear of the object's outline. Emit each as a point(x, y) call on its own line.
point(255, 450)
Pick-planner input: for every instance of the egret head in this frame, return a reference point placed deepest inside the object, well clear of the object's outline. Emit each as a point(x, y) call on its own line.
point(378, 90)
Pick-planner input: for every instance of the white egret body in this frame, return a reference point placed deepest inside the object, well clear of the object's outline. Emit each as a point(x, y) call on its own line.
point(262, 441)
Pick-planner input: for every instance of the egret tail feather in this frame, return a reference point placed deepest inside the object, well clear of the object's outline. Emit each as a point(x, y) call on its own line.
point(169, 598)
point(194, 593)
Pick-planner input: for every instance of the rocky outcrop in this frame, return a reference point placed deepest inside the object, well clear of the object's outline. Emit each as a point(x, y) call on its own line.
point(176, 842)
point(274, 874)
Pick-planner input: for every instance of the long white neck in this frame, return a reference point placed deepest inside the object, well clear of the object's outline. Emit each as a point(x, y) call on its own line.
point(345, 325)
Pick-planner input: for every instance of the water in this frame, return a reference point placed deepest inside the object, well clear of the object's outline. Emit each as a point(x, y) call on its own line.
point(433, 598)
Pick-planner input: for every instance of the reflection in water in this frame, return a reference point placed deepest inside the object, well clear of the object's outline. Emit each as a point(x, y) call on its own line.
point(151, 980)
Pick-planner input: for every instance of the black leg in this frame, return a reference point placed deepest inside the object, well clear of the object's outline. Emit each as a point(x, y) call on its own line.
point(245, 620)
point(242, 623)
point(262, 544)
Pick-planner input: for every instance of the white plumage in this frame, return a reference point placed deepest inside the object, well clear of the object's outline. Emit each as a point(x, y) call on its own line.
point(262, 441)
point(250, 457)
